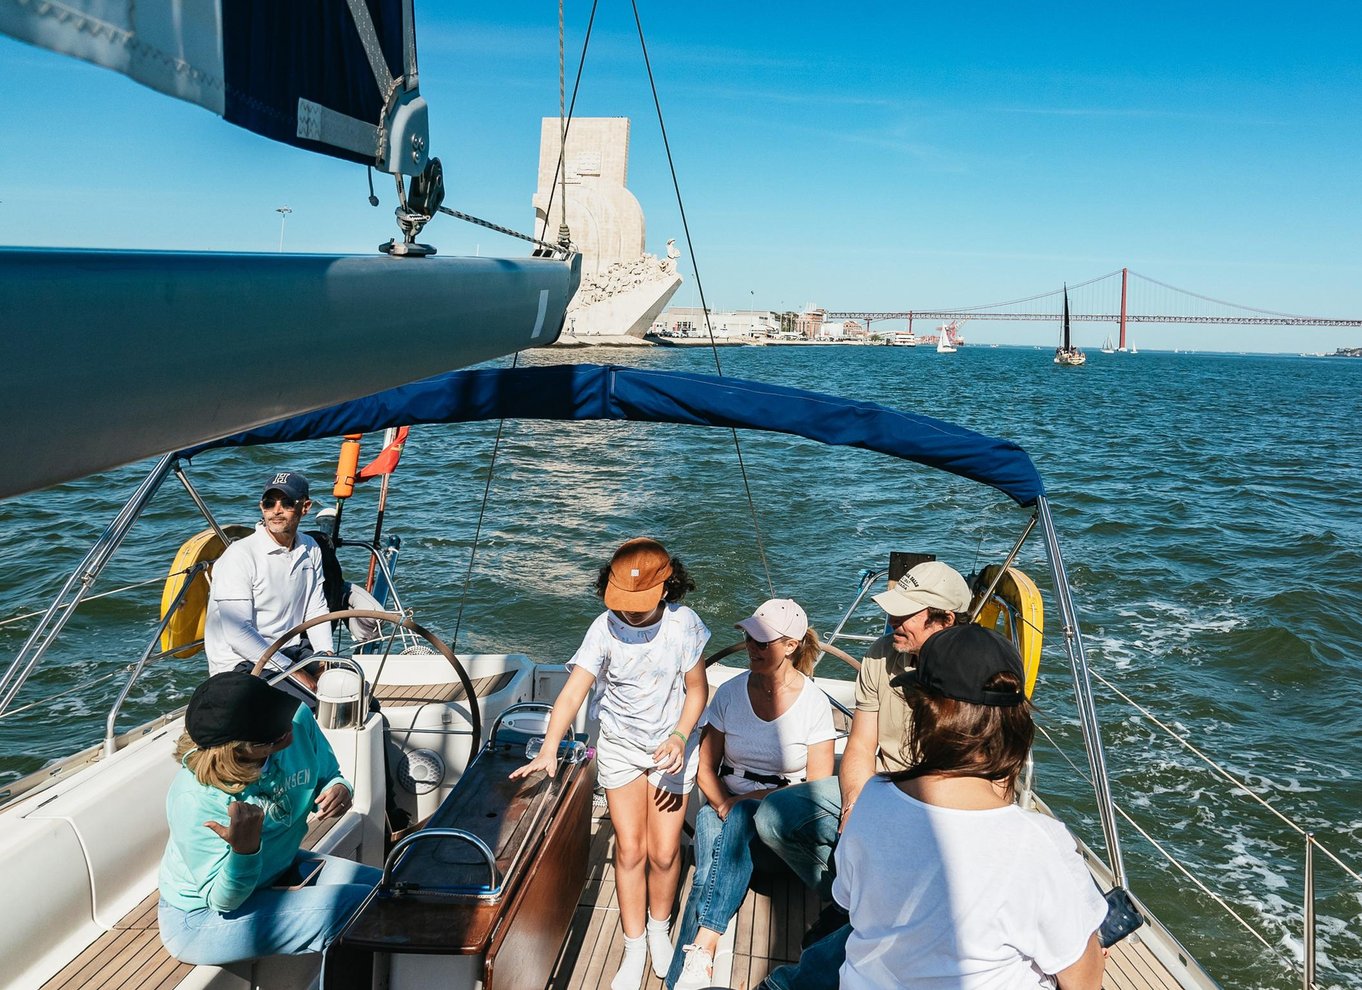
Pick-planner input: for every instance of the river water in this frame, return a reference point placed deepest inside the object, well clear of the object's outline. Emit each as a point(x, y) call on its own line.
point(1209, 507)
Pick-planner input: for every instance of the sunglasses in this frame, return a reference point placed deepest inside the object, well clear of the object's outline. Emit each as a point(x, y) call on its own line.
point(283, 500)
point(748, 637)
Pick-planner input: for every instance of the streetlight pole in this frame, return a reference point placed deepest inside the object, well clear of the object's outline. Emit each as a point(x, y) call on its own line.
point(283, 212)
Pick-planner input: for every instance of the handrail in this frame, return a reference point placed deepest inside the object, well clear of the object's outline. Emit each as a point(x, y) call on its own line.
point(399, 852)
point(521, 706)
point(112, 718)
point(84, 575)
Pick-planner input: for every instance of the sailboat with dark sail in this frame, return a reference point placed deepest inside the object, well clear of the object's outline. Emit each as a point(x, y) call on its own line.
point(1066, 353)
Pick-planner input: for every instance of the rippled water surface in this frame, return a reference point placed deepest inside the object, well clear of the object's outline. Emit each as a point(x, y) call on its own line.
point(1209, 507)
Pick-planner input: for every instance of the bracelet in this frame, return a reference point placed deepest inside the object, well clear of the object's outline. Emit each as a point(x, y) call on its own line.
point(681, 735)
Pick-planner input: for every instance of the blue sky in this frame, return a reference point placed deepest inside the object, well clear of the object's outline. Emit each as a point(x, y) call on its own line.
point(854, 156)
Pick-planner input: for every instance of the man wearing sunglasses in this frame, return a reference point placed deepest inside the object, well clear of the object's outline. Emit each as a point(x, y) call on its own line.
point(267, 583)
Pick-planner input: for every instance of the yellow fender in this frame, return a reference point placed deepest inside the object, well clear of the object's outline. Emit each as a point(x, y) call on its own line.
point(1016, 611)
point(186, 625)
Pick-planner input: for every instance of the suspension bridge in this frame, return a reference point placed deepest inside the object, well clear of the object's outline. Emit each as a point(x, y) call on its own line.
point(1121, 297)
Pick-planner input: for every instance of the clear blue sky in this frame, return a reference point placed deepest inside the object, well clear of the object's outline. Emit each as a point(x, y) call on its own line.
point(854, 156)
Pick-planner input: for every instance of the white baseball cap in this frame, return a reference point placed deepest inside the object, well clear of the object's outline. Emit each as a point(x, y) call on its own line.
point(931, 584)
point(776, 619)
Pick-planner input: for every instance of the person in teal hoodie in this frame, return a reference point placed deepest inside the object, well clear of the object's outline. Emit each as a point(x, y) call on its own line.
point(234, 883)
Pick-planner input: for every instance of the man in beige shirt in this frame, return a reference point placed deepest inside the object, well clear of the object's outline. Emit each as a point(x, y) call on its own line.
point(801, 822)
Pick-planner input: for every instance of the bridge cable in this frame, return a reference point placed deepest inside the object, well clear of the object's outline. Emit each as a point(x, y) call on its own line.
point(1220, 302)
point(704, 307)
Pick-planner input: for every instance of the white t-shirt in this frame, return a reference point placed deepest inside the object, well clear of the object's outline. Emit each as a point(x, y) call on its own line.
point(640, 672)
point(779, 747)
point(966, 900)
point(265, 590)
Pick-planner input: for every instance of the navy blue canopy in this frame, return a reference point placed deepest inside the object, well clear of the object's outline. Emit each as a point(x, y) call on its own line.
point(590, 391)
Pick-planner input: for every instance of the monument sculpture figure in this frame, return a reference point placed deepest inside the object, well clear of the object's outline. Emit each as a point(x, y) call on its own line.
point(623, 287)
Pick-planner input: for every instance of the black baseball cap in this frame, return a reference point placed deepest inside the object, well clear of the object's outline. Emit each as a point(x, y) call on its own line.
point(958, 662)
point(238, 707)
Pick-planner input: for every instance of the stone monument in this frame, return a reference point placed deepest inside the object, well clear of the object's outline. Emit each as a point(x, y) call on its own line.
point(623, 288)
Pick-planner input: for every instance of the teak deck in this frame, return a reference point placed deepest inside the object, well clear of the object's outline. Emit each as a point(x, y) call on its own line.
point(767, 932)
point(768, 929)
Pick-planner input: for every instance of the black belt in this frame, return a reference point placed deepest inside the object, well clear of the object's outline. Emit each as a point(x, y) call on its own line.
point(761, 778)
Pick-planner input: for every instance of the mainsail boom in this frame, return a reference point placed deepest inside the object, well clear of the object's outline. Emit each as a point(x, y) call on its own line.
point(109, 357)
point(335, 76)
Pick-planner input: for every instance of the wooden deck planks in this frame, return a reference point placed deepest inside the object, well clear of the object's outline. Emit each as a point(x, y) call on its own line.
point(404, 695)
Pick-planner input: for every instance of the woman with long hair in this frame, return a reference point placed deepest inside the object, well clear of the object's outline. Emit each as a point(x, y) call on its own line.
point(948, 881)
point(767, 727)
point(234, 885)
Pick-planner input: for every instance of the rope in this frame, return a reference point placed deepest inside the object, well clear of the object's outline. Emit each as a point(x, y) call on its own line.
point(457, 215)
point(576, 85)
point(562, 126)
point(699, 285)
point(477, 530)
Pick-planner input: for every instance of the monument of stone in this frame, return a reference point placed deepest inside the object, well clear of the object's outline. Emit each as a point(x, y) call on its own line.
point(623, 288)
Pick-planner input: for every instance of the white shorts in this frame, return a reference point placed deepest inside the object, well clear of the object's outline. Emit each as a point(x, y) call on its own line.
point(619, 763)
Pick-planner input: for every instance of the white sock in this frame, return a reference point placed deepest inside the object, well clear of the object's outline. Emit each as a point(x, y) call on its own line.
point(630, 975)
point(659, 945)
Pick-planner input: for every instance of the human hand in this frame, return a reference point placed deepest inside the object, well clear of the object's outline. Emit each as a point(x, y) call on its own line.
point(334, 801)
point(242, 831)
point(547, 760)
point(670, 757)
point(846, 813)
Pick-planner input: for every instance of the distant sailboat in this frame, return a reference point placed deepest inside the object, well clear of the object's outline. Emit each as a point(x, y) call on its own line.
point(946, 337)
point(1108, 345)
point(1067, 353)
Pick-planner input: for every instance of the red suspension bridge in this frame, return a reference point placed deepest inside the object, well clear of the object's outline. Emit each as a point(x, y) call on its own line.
point(1097, 301)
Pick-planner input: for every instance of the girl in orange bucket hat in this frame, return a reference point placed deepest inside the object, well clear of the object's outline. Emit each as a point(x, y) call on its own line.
point(640, 662)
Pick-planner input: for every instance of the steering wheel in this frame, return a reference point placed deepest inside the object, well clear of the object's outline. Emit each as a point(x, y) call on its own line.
point(397, 619)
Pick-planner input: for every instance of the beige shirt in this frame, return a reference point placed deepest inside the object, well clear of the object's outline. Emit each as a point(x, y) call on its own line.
point(874, 695)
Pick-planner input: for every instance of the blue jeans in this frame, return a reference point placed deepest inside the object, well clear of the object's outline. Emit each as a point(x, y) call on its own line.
point(723, 869)
point(817, 968)
point(799, 823)
point(271, 921)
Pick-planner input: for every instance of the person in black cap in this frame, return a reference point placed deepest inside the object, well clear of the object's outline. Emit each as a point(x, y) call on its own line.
point(267, 583)
point(946, 878)
point(254, 764)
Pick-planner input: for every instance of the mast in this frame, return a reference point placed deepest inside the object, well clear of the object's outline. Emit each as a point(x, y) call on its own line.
point(1067, 345)
point(1125, 275)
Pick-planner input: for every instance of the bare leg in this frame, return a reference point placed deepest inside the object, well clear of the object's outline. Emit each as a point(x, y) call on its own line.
point(666, 813)
point(629, 816)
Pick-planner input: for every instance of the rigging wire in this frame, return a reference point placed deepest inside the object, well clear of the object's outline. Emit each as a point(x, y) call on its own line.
point(477, 530)
point(700, 288)
point(559, 173)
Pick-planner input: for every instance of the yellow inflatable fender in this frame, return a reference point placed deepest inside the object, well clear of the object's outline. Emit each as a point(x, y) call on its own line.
point(1016, 611)
point(185, 630)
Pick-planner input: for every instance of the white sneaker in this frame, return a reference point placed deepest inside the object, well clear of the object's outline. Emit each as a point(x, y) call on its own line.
point(698, 971)
point(659, 946)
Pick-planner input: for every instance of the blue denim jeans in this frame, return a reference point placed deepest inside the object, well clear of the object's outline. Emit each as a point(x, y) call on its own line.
point(271, 921)
point(723, 870)
point(799, 823)
point(817, 968)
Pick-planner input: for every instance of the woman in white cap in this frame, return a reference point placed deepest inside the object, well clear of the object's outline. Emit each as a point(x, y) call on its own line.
point(973, 891)
point(767, 727)
point(233, 883)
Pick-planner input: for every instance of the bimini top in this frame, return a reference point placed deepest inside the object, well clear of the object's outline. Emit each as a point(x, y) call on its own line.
point(592, 391)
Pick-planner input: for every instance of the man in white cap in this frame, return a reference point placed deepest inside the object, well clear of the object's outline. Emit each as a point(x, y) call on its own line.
point(267, 583)
point(802, 822)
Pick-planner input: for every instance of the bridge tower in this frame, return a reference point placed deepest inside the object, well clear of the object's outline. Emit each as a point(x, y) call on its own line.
point(1125, 275)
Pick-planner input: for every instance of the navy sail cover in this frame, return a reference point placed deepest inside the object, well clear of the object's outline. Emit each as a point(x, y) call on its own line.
point(590, 392)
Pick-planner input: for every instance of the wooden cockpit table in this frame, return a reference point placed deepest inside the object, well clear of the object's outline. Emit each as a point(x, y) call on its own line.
point(491, 881)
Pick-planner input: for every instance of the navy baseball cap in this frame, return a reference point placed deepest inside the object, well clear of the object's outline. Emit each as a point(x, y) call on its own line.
point(291, 483)
point(960, 660)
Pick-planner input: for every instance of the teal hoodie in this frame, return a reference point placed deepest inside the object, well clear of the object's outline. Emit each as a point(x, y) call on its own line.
point(199, 869)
